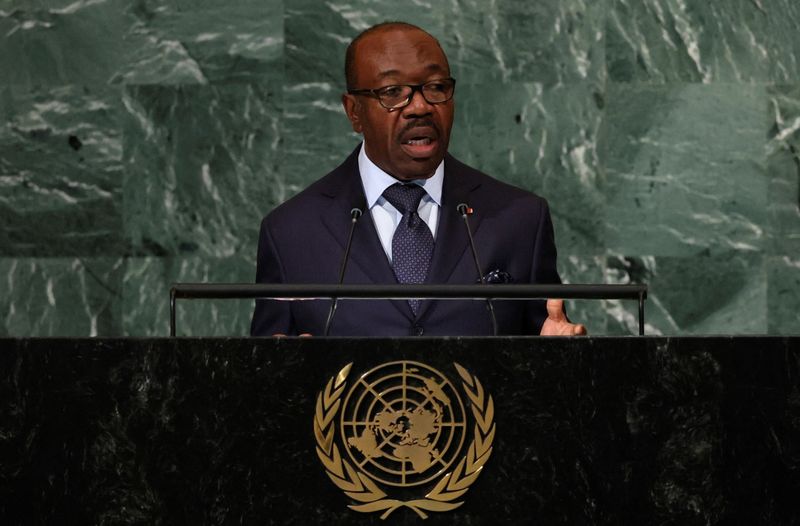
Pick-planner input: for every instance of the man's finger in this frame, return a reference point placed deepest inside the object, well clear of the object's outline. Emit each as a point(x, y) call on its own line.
point(555, 310)
point(579, 330)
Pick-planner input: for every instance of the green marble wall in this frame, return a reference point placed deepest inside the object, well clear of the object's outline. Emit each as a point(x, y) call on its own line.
point(141, 141)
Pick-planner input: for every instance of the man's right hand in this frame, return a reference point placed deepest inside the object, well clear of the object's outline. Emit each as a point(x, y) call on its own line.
point(557, 323)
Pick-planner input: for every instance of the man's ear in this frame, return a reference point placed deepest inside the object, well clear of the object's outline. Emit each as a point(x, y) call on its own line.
point(351, 107)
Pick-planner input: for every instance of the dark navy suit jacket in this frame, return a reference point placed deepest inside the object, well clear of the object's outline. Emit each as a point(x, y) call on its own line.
point(303, 241)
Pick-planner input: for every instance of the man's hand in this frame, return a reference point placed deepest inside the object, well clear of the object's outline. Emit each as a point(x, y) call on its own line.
point(557, 323)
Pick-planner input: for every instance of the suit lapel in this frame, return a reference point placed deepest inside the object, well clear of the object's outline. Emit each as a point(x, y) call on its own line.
point(366, 251)
point(451, 235)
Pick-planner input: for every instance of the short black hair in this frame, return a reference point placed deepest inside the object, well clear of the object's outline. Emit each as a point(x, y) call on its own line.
point(350, 55)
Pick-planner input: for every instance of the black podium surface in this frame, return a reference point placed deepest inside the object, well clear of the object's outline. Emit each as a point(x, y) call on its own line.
point(221, 431)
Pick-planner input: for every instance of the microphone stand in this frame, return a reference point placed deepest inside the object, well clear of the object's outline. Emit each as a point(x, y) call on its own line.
point(355, 213)
point(465, 210)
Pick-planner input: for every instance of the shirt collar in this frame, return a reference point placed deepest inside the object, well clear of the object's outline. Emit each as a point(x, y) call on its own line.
point(375, 180)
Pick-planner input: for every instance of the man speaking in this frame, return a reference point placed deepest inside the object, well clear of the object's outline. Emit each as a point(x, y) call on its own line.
point(400, 97)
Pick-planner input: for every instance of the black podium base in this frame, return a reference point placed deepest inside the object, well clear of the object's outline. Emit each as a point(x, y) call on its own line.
point(588, 431)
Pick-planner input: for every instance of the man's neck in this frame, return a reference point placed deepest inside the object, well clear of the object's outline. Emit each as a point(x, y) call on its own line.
point(375, 180)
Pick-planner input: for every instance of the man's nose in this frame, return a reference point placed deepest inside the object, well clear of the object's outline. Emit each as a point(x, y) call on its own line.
point(417, 106)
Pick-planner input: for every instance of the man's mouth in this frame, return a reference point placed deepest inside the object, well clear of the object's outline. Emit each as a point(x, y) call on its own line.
point(419, 142)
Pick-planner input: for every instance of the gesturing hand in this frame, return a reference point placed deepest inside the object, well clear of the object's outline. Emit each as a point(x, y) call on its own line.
point(557, 323)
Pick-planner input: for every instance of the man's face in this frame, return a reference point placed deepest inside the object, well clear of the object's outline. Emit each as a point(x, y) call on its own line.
point(410, 142)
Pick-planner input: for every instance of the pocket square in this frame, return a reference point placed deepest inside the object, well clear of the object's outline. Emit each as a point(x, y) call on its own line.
point(497, 276)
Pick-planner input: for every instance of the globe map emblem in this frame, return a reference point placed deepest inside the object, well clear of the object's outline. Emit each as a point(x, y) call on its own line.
point(403, 423)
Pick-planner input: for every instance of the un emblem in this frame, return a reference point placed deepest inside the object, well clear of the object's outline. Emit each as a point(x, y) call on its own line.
point(403, 426)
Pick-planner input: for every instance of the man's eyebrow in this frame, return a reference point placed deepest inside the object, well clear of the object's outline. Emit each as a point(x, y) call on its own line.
point(433, 68)
point(388, 73)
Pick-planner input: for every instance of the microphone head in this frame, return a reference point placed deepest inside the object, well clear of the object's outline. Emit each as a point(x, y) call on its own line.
point(355, 213)
point(464, 209)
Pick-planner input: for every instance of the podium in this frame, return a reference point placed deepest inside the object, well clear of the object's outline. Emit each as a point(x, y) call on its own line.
point(634, 430)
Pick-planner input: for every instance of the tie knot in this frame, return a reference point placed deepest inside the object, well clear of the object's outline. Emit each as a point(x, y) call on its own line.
point(404, 197)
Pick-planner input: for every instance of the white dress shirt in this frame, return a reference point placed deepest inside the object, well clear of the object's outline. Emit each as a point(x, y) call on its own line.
point(385, 216)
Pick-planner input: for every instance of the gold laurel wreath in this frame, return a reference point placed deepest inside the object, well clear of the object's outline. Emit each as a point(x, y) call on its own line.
point(358, 486)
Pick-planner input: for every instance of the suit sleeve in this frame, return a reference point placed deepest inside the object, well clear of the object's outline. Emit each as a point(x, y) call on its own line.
point(270, 316)
point(543, 267)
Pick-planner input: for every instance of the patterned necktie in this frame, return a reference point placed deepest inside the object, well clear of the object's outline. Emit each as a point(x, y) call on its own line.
point(412, 243)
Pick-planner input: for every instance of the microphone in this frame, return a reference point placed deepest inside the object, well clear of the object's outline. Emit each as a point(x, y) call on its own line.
point(465, 210)
point(355, 213)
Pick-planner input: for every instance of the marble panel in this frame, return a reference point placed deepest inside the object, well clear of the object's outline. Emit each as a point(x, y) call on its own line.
point(60, 171)
point(783, 294)
point(784, 209)
point(319, 59)
point(685, 169)
point(201, 167)
point(549, 42)
point(57, 42)
point(707, 294)
point(60, 296)
point(543, 139)
point(784, 169)
point(205, 41)
point(697, 41)
point(145, 296)
point(143, 42)
point(316, 135)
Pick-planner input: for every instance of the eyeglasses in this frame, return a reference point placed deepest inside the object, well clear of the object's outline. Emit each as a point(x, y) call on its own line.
point(399, 95)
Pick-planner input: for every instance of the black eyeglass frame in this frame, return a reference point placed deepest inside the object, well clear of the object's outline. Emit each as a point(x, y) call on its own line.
point(414, 88)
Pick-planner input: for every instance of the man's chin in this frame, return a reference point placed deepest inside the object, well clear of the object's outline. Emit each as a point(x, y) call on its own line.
point(422, 168)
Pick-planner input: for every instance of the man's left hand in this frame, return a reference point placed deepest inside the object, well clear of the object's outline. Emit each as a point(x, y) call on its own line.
point(557, 323)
